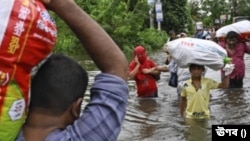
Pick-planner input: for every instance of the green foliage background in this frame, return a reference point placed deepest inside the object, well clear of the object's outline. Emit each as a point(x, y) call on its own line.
point(127, 22)
point(209, 10)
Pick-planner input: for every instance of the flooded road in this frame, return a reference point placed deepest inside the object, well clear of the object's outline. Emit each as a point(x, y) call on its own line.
point(157, 119)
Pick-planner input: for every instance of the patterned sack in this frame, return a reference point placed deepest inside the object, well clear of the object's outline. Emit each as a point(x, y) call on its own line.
point(27, 37)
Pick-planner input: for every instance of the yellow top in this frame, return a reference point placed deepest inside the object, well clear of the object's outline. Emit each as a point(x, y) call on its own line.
point(197, 101)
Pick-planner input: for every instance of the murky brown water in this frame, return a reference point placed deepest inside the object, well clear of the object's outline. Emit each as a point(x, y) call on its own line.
point(157, 119)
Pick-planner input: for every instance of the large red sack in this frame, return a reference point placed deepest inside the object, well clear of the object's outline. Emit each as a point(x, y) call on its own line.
point(27, 37)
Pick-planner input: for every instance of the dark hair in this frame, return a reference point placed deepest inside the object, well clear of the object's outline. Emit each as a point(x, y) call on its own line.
point(232, 34)
point(171, 32)
point(58, 83)
point(196, 65)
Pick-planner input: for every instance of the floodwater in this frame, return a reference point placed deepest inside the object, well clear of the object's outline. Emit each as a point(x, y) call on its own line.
point(157, 119)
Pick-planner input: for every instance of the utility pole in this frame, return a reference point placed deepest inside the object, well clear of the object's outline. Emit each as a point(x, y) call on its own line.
point(151, 14)
point(159, 13)
point(151, 3)
point(159, 22)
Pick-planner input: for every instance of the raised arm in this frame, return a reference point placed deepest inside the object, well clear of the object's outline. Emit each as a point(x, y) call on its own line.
point(228, 69)
point(99, 45)
point(225, 83)
point(163, 68)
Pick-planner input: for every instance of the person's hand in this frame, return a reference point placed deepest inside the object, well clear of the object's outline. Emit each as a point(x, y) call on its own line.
point(136, 60)
point(228, 69)
point(147, 71)
point(181, 114)
point(46, 3)
point(165, 49)
point(162, 68)
point(154, 69)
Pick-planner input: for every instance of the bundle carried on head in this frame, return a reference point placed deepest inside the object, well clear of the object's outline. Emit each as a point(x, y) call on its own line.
point(241, 27)
point(186, 51)
point(27, 37)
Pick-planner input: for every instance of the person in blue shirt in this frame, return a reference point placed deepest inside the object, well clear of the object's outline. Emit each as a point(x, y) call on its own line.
point(58, 88)
point(201, 33)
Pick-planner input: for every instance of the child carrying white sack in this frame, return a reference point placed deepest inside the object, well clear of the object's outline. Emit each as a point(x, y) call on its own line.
point(186, 51)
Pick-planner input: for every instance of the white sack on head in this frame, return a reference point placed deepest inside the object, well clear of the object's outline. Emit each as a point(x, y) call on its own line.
point(241, 27)
point(186, 51)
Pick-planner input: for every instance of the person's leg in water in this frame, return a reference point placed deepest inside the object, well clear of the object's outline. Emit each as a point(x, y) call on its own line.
point(235, 83)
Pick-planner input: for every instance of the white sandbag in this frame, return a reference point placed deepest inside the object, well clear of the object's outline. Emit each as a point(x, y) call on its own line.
point(186, 51)
point(241, 27)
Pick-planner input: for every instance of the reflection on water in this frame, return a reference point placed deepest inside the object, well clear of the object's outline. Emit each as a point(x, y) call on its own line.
point(146, 107)
point(158, 119)
point(197, 130)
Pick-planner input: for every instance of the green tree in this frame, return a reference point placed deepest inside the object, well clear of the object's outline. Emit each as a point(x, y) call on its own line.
point(242, 7)
point(214, 9)
point(127, 22)
point(176, 15)
point(194, 8)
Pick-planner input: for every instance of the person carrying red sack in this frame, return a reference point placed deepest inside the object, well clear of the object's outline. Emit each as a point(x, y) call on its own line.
point(27, 37)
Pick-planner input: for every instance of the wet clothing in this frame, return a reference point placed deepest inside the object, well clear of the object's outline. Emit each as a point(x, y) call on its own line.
point(236, 83)
point(198, 101)
point(103, 115)
point(183, 75)
point(145, 83)
point(237, 59)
